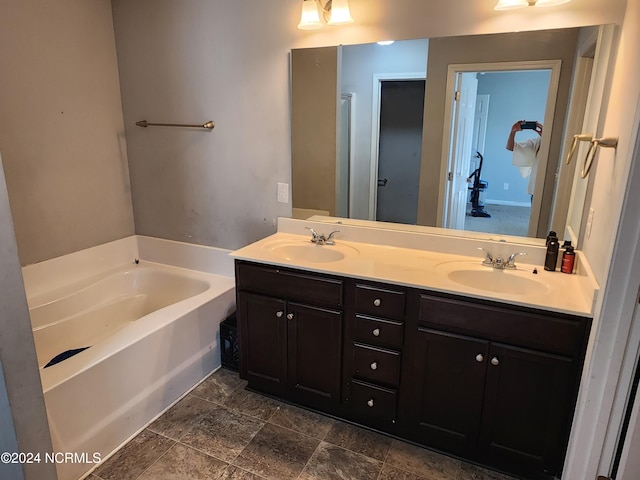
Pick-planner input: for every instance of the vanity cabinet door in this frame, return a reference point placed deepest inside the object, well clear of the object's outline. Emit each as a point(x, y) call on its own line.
point(290, 326)
point(527, 408)
point(445, 406)
point(314, 339)
point(263, 343)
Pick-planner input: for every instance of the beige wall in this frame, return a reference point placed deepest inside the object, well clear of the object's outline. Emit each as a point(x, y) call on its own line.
point(18, 359)
point(314, 93)
point(61, 131)
point(620, 119)
point(510, 47)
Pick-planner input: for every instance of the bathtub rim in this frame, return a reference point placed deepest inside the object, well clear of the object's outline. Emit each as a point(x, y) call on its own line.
point(152, 322)
point(66, 292)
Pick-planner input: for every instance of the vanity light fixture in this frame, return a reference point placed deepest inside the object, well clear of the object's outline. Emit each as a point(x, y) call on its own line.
point(511, 4)
point(335, 12)
point(384, 43)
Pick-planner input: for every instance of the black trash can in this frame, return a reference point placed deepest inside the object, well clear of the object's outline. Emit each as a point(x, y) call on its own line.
point(229, 343)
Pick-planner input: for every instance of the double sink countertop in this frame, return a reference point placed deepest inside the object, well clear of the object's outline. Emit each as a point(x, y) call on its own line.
point(427, 261)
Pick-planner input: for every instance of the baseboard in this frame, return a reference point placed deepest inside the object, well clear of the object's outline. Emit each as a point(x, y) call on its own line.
point(507, 203)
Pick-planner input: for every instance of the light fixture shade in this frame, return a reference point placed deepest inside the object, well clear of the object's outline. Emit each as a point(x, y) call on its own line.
point(310, 19)
point(340, 13)
point(510, 4)
point(550, 3)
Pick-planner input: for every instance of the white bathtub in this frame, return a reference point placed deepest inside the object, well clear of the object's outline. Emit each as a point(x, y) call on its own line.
point(152, 330)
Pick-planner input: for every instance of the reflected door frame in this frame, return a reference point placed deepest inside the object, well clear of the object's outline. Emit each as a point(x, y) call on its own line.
point(452, 72)
point(461, 144)
point(378, 78)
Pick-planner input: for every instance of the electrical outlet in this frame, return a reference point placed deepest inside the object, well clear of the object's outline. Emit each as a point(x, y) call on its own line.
point(283, 192)
point(506, 186)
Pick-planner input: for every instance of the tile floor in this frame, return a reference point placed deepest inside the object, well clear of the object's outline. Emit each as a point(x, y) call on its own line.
point(222, 431)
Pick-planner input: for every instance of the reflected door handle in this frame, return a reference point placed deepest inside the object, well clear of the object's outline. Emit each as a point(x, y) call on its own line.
point(382, 182)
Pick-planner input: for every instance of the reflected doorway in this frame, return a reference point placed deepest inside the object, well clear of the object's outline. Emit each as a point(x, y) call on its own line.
point(400, 146)
point(499, 196)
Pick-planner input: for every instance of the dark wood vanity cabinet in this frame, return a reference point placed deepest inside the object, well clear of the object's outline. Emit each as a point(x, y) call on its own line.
point(291, 327)
point(503, 404)
point(488, 382)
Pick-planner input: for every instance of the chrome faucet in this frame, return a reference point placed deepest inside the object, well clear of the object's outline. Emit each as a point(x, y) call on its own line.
point(321, 239)
point(499, 262)
point(511, 261)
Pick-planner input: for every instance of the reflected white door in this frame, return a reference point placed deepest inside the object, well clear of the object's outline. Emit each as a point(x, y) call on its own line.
point(461, 150)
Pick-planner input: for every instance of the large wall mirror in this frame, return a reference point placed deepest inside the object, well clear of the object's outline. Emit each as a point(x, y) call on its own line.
point(416, 132)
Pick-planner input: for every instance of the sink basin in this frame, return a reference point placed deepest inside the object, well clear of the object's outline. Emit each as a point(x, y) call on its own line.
point(310, 252)
point(511, 282)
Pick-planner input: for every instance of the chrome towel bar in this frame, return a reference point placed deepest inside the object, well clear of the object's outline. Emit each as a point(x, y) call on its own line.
point(143, 123)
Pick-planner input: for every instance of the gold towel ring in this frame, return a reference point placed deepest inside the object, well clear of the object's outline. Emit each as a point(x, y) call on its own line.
point(580, 137)
point(610, 142)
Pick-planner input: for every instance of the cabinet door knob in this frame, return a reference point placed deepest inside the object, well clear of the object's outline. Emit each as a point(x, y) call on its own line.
point(374, 366)
point(376, 332)
point(495, 361)
point(370, 402)
point(279, 313)
point(479, 358)
point(290, 316)
point(377, 302)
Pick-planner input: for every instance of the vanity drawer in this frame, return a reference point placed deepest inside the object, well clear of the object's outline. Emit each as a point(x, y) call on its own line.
point(288, 284)
point(378, 331)
point(556, 333)
point(380, 302)
point(376, 364)
point(372, 403)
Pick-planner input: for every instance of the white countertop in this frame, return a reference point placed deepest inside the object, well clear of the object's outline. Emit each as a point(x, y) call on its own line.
point(430, 270)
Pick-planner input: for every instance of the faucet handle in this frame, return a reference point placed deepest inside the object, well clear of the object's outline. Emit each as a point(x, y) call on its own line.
point(329, 240)
point(314, 234)
point(488, 261)
point(511, 263)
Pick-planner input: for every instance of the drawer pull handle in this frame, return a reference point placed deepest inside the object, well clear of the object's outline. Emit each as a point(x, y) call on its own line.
point(374, 366)
point(376, 332)
point(495, 361)
point(290, 316)
point(370, 402)
point(377, 302)
point(479, 358)
point(279, 313)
